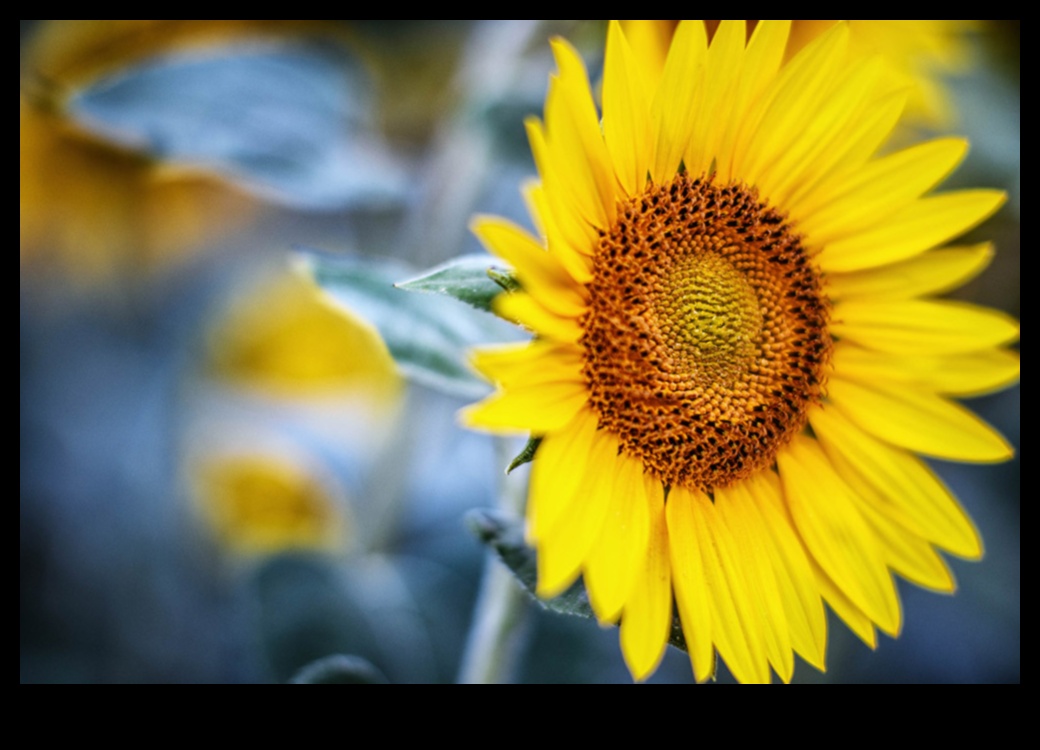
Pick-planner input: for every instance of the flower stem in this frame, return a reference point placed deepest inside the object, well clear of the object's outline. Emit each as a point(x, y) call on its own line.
point(499, 630)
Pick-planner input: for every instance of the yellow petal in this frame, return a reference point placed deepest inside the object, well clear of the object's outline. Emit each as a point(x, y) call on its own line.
point(882, 187)
point(539, 273)
point(922, 225)
point(678, 97)
point(735, 509)
point(835, 532)
point(539, 408)
point(903, 480)
point(796, 100)
point(621, 550)
point(528, 363)
point(762, 58)
point(534, 199)
point(565, 541)
point(738, 628)
point(522, 308)
point(765, 52)
point(919, 421)
point(691, 584)
point(910, 556)
point(905, 551)
point(967, 374)
point(858, 622)
point(575, 141)
point(934, 272)
point(560, 467)
point(846, 154)
point(650, 41)
point(576, 261)
point(795, 580)
point(723, 70)
point(838, 115)
point(559, 214)
point(918, 326)
point(626, 113)
point(647, 620)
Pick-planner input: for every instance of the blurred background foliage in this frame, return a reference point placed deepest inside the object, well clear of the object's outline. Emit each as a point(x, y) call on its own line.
point(223, 476)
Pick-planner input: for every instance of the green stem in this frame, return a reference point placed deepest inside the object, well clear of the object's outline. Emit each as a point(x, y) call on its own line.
point(498, 632)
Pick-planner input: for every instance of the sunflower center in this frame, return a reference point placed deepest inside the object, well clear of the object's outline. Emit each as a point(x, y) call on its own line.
point(706, 336)
point(708, 318)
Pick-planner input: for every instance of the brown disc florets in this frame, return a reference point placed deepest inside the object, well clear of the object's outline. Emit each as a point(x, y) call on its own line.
point(706, 336)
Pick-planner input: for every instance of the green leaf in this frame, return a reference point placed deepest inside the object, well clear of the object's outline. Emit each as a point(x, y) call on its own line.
point(291, 121)
point(504, 279)
point(468, 278)
point(525, 456)
point(428, 335)
point(505, 535)
point(339, 669)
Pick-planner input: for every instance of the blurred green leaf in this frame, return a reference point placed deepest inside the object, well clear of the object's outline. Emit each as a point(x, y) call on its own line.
point(505, 535)
point(468, 278)
point(303, 614)
point(339, 669)
point(428, 335)
point(290, 121)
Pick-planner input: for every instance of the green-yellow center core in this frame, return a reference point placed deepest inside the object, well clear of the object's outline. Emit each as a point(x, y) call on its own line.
point(706, 337)
point(709, 319)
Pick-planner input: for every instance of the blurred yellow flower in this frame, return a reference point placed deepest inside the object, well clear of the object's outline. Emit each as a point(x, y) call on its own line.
point(918, 56)
point(281, 340)
point(91, 208)
point(261, 504)
point(281, 337)
point(738, 356)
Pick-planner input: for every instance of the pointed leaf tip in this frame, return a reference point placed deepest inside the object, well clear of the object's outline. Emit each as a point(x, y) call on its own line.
point(504, 279)
point(473, 279)
point(525, 456)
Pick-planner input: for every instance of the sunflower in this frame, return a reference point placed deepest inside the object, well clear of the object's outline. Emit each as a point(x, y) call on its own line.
point(93, 209)
point(737, 357)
